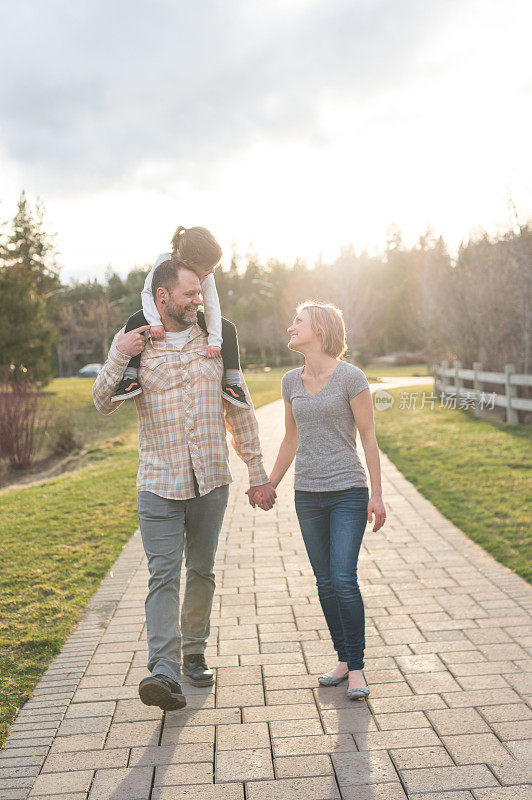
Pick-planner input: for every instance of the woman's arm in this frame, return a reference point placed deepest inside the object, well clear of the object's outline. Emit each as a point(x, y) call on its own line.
point(213, 314)
point(362, 407)
point(287, 450)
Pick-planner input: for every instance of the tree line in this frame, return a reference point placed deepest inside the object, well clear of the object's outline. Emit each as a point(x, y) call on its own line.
point(475, 307)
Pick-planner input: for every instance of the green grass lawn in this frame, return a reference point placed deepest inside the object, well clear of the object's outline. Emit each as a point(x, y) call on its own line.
point(373, 371)
point(60, 537)
point(477, 473)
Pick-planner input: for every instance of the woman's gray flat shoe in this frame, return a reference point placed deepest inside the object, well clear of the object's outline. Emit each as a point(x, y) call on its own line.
point(328, 680)
point(357, 694)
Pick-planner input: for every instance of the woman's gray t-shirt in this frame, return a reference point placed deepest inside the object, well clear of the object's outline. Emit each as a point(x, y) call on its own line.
point(326, 457)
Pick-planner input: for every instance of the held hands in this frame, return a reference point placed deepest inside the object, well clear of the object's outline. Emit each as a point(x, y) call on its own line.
point(262, 496)
point(133, 342)
point(213, 351)
point(157, 332)
point(376, 506)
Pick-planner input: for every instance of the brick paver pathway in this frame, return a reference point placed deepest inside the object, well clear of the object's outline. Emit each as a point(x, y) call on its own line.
point(448, 661)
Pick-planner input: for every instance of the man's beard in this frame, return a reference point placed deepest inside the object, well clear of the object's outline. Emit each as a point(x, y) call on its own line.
point(184, 315)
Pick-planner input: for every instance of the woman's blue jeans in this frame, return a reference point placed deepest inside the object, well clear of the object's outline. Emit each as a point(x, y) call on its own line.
point(333, 524)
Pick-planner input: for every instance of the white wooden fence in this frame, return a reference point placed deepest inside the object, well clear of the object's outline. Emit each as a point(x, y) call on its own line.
point(509, 380)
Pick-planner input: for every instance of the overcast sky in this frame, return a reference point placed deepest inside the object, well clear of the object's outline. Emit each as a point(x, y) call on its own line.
point(294, 126)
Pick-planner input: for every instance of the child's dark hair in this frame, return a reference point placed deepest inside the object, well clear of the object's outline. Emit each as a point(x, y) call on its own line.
point(196, 247)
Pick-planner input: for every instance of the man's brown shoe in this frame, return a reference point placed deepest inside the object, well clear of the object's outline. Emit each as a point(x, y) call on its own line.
point(197, 671)
point(158, 690)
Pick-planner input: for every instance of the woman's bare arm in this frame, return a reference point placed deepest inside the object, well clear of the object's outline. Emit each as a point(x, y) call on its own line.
point(287, 450)
point(362, 407)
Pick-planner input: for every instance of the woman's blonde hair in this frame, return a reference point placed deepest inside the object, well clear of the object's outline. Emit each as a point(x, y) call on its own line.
point(327, 322)
point(196, 247)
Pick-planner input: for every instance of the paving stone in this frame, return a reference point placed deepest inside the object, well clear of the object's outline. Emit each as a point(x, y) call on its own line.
point(83, 725)
point(451, 721)
point(135, 711)
point(184, 774)
point(425, 683)
point(243, 736)
point(303, 766)
point(354, 769)
point(188, 735)
point(420, 663)
point(503, 793)
point(412, 702)
point(383, 791)
point(394, 722)
point(57, 783)
point(243, 765)
point(463, 795)
point(281, 728)
point(506, 713)
point(322, 788)
point(129, 734)
point(289, 696)
point(272, 670)
point(133, 783)
point(447, 778)
point(476, 748)
point(251, 695)
point(476, 682)
point(86, 759)
point(238, 676)
point(202, 716)
point(520, 748)
point(517, 729)
point(18, 771)
point(229, 791)
point(384, 740)
point(513, 772)
point(348, 720)
point(267, 713)
point(181, 753)
point(412, 757)
point(304, 745)
point(480, 698)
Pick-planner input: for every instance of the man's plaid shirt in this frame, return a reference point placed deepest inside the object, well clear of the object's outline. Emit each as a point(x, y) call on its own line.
point(181, 418)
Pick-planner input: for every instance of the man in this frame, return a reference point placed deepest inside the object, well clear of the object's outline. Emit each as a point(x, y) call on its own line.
point(183, 478)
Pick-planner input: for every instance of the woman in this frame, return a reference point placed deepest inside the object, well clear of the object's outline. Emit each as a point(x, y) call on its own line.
point(324, 401)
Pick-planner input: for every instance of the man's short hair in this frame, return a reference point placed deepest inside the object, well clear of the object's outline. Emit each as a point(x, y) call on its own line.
point(167, 275)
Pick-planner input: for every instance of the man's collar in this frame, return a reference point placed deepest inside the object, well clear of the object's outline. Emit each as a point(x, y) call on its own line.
point(195, 331)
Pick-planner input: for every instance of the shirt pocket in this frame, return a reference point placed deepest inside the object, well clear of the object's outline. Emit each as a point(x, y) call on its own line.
point(154, 374)
point(210, 368)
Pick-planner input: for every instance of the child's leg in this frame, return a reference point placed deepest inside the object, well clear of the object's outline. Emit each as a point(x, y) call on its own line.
point(135, 321)
point(129, 385)
point(231, 388)
point(230, 354)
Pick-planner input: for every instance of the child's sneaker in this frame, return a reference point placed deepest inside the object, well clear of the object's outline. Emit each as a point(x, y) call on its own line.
point(234, 393)
point(128, 387)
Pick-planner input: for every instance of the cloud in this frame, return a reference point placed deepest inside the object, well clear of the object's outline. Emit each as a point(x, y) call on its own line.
point(97, 89)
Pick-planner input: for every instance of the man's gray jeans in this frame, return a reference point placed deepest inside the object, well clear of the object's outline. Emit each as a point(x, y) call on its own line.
point(168, 527)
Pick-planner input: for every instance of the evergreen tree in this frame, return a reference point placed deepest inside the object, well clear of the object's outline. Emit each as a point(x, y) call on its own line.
point(27, 336)
point(29, 249)
point(28, 273)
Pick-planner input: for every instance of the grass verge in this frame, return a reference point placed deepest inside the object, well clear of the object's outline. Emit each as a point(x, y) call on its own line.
point(476, 472)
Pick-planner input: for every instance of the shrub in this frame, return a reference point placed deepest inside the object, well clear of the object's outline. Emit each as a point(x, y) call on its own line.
point(21, 426)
